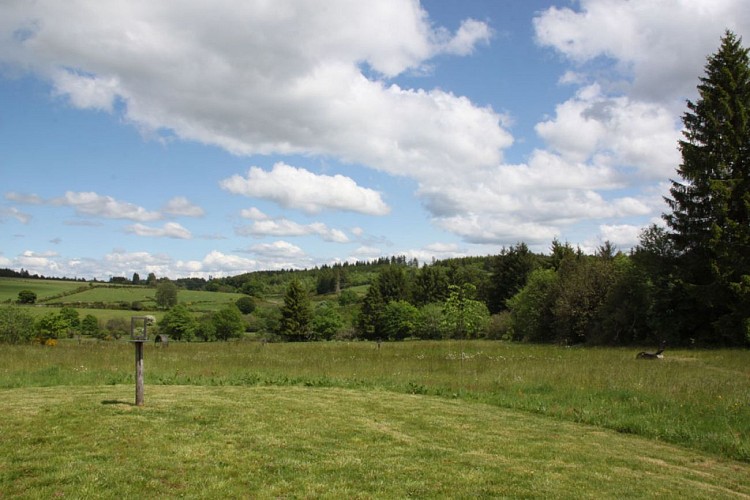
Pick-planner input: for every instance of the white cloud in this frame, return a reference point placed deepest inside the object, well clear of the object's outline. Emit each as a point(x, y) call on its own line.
point(89, 203)
point(468, 35)
point(625, 236)
point(661, 45)
point(181, 206)
point(286, 227)
point(218, 261)
point(13, 212)
point(278, 250)
point(293, 187)
point(630, 133)
point(169, 230)
point(254, 214)
point(251, 77)
point(29, 199)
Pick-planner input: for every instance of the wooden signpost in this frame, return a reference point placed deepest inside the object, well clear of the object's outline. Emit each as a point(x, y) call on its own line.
point(139, 336)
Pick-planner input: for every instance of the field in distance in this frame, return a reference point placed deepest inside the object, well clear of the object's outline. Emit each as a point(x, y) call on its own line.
point(96, 295)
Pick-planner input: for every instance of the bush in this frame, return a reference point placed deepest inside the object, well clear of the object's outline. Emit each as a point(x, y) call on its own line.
point(246, 305)
point(348, 297)
point(26, 297)
point(16, 325)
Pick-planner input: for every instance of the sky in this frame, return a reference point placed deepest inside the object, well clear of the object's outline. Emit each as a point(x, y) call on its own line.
point(209, 139)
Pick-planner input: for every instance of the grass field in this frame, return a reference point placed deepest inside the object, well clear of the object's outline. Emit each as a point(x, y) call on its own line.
point(425, 419)
point(108, 300)
point(9, 288)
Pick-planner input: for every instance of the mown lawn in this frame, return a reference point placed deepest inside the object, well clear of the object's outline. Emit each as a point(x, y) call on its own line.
point(307, 442)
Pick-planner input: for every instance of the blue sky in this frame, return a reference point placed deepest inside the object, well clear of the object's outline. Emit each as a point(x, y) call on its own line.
point(216, 138)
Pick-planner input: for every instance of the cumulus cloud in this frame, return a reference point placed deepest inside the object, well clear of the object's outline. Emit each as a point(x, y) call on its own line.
point(628, 133)
point(181, 206)
point(278, 250)
point(286, 227)
point(659, 46)
point(298, 188)
point(168, 230)
point(89, 203)
point(250, 77)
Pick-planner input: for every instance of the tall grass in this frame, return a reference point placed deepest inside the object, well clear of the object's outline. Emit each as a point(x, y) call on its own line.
point(698, 399)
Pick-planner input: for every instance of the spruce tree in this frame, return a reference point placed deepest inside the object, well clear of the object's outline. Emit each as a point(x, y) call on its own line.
point(710, 202)
point(296, 314)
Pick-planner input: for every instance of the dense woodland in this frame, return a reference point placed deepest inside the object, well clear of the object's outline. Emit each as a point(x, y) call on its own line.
point(686, 283)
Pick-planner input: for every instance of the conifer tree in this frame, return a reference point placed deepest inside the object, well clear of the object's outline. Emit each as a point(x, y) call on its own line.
point(710, 203)
point(296, 314)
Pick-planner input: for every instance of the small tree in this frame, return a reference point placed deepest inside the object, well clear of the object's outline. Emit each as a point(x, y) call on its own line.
point(228, 323)
point(326, 322)
point(90, 326)
point(166, 294)
point(400, 320)
point(246, 305)
point(464, 317)
point(179, 323)
point(296, 313)
point(72, 320)
point(26, 297)
point(16, 325)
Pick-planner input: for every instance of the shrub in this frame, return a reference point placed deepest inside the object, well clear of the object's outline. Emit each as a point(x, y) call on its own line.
point(16, 325)
point(26, 297)
point(246, 305)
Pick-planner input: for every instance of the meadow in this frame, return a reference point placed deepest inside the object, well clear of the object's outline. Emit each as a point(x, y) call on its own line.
point(338, 419)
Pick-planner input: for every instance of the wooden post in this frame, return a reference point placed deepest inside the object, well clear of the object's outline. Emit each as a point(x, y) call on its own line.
point(138, 372)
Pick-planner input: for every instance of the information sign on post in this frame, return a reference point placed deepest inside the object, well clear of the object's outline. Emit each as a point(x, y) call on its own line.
point(139, 335)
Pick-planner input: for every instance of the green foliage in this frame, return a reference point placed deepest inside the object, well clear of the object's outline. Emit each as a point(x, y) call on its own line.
point(464, 317)
point(430, 285)
point(326, 322)
point(583, 285)
point(117, 327)
point(26, 297)
point(370, 319)
point(531, 308)
point(90, 326)
point(246, 305)
point(510, 270)
point(392, 283)
point(296, 313)
point(348, 297)
point(400, 320)
point(166, 294)
point(710, 203)
point(51, 326)
point(16, 325)
point(228, 323)
point(430, 320)
point(179, 323)
point(206, 328)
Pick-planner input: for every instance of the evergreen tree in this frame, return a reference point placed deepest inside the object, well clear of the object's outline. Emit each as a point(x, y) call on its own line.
point(370, 320)
point(710, 218)
point(296, 314)
point(510, 270)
